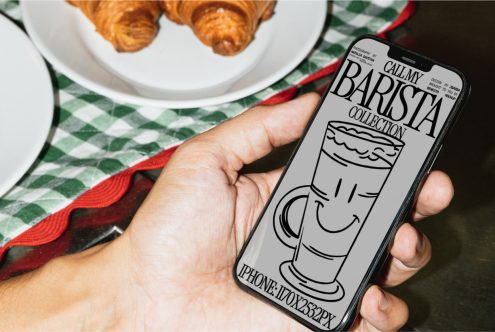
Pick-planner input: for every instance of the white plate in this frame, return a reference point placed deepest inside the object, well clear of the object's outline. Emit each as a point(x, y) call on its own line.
point(176, 70)
point(26, 104)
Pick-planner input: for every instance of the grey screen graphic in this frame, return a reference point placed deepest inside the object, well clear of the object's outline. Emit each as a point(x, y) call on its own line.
point(331, 211)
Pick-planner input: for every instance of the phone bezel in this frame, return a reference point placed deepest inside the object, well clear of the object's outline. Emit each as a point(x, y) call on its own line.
point(381, 255)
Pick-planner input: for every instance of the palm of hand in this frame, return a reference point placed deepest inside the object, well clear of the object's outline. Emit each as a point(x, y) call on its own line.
point(199, 245)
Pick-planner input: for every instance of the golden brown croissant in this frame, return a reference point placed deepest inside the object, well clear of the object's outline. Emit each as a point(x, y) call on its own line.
point(128, 25)
point(227, 26)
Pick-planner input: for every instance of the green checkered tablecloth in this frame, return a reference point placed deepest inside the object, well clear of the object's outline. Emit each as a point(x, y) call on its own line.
point(94, 137)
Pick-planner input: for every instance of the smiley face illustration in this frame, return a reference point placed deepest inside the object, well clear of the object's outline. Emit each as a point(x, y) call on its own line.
point(344, 209)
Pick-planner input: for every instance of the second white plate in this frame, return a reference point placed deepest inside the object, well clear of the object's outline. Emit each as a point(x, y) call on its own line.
point(26, 104)
point(176, 70)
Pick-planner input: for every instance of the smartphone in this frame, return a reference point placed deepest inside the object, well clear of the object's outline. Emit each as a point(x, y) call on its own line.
point(351, 181)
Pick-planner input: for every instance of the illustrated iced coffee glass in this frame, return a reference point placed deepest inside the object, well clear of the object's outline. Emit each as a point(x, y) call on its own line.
point(353, 165)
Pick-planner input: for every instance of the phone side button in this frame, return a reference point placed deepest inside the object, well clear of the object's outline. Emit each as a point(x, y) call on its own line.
point(435, 159)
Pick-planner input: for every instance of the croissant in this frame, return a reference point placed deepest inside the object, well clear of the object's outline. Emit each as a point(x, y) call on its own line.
point(128, 25)
point(227, 26)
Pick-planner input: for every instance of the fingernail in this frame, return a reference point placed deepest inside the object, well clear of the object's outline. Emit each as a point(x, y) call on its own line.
point(383, 302)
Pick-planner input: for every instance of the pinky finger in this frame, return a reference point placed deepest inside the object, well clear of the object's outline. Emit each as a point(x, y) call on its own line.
point(382, 311)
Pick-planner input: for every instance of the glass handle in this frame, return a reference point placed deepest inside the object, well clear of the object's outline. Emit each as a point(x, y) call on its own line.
point(280, 218)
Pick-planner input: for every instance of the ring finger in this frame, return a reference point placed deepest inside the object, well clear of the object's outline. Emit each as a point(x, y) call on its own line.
point(410, 252)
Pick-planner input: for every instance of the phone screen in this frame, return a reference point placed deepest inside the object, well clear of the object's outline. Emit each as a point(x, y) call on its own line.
point(320, 233)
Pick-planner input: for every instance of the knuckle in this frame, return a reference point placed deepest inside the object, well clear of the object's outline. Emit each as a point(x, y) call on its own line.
point(409, 242)
point(443, 196)
point(438, 195)
point(427, 251)
point(397, 317)
point(415, 251)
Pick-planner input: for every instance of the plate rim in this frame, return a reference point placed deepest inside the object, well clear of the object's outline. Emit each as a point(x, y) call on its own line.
point(174, 104)
point(20, 170)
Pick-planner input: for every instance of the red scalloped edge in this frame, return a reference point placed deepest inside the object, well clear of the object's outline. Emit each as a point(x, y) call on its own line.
point(104, 194)
point(112, 189)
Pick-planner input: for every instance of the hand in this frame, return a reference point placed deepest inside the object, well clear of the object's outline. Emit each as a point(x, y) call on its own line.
point(183, 242)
